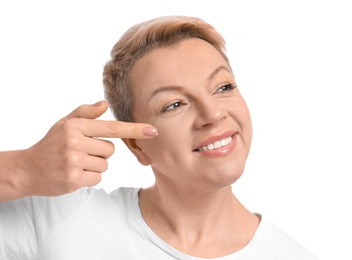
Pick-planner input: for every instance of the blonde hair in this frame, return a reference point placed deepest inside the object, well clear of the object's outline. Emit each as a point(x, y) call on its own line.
point(138, 41)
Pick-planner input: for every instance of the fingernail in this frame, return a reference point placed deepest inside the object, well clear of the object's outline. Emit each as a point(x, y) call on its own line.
point(98, 104)
point(150, 131)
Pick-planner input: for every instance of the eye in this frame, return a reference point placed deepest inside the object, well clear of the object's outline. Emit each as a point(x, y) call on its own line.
point(227, 87)
point(173, 106)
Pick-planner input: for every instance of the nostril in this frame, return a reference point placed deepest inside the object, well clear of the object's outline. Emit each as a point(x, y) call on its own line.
point(209, 113)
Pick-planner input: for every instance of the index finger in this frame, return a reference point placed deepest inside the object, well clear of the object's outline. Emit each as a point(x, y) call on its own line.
point(116, 129)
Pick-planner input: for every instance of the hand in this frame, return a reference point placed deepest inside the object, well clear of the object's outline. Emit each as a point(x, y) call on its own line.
point(71, 155)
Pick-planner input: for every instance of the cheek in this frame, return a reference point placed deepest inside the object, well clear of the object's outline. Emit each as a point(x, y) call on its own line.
point(172, 129)
point(246, 124)
point(247, 118)
point(159, 151)
point(171, 141)
point(241, 112)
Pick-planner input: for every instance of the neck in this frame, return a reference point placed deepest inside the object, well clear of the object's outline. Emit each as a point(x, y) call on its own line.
point(190, 220)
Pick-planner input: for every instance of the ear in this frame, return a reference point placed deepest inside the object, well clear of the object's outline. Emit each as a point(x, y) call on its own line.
point(137, 151)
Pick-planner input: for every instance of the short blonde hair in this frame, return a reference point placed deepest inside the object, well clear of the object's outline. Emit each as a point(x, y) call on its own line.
point(138, 41)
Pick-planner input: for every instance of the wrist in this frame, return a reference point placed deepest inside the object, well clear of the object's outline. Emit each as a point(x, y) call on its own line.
point(22, 168)
point(20, 173)
point(12, 172)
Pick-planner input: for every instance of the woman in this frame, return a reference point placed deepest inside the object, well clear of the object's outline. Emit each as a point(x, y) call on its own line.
point(171, 73)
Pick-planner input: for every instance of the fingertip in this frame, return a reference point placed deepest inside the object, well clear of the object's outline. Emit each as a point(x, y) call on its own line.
point(90, 179)
point(150, 131)
point(88, 111)
point(99, 108)
point(99, 103)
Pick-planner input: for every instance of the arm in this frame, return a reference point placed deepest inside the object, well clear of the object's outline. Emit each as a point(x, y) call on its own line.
point(11, 175)
point(70, 156)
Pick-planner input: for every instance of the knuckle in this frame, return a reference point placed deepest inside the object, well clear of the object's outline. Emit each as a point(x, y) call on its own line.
point(111, 130)
point(136, 131)
point(71, 136)
point(72, 159)
point(72, 142)
point(72, 179)
point(71, 125)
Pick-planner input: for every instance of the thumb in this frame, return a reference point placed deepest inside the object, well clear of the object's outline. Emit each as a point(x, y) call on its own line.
point(88, 111)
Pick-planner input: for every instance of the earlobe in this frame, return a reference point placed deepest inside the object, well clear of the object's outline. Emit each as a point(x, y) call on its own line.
point(137, 151)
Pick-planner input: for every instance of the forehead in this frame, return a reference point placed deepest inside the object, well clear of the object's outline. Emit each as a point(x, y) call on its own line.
point(185, 61)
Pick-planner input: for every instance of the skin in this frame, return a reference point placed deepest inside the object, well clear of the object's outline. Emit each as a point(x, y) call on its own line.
point(186, 92)
point(70, 156)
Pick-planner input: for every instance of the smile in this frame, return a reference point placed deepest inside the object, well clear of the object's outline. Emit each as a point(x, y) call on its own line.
point(216, 145)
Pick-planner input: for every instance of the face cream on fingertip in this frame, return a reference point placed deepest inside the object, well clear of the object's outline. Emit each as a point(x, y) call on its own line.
point(150, 131)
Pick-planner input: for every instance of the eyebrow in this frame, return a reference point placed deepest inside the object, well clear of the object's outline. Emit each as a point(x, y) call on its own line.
point(217, 70)
point(179, 88)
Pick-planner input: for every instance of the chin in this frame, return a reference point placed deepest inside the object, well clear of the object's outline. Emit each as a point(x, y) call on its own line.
point(225, 178)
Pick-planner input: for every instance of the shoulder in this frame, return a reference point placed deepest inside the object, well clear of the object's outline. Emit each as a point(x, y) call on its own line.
point(271, 240)
point(32, 206)
point(27, 223)
point(44, 227)
point(124, 192)
point(125, 197)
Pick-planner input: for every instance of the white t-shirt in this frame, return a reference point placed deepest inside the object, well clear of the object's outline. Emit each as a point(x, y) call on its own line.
point(91, 224)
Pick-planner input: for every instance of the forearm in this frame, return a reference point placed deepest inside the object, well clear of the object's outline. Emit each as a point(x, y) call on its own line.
point(12, 175)
point(70, 156)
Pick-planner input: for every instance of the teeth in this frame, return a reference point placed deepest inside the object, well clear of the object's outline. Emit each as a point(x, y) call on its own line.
point(216, 144)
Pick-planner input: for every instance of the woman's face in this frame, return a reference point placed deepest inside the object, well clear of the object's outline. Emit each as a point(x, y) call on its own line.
point(187, 91)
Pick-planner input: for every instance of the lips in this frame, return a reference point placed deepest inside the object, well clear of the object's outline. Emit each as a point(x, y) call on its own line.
point(215, 142)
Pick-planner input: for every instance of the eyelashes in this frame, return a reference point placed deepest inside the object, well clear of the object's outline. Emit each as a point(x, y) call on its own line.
point(227, 87)
point(179, 103)
point(173, 106)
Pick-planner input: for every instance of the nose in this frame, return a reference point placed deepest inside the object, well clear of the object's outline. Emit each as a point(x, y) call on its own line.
point(209, 112)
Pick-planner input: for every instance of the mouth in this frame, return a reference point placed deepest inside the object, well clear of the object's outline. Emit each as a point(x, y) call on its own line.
point(215, 145)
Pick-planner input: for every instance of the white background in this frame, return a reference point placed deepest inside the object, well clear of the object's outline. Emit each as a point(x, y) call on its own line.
point(292, 61)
